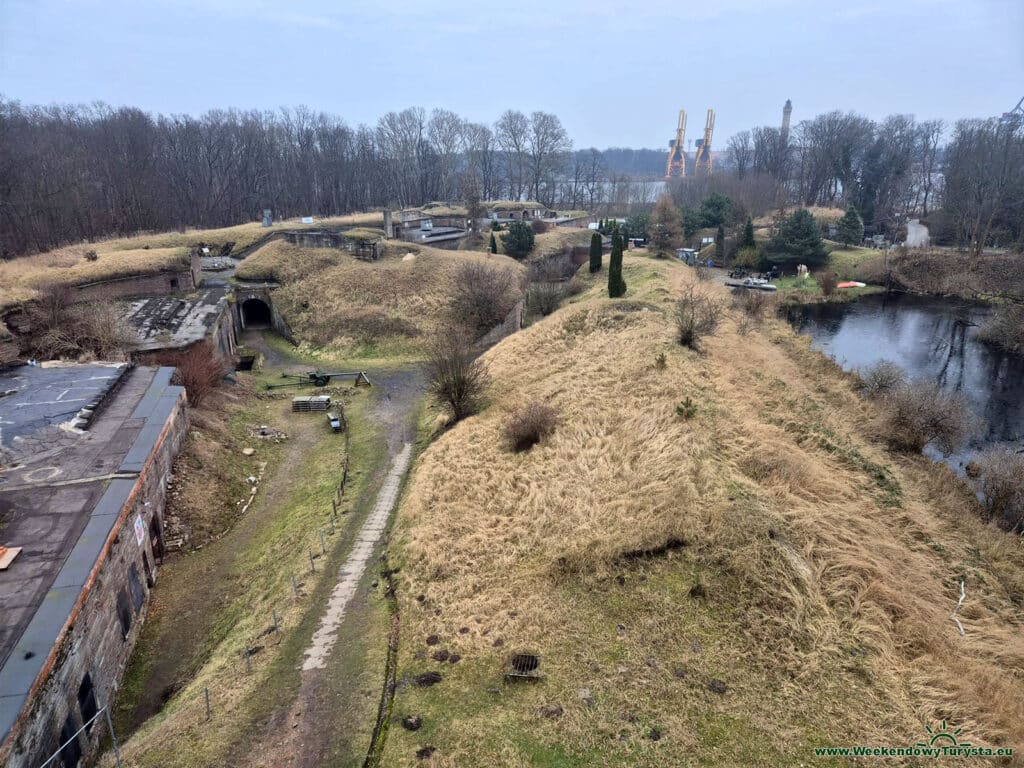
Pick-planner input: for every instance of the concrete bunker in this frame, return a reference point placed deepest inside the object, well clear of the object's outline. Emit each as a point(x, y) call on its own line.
point(254, 308)
point(256, 313)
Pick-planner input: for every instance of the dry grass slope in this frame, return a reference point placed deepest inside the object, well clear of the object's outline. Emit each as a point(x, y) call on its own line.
point(767, 542)
point(20, 278)
point(333, 300)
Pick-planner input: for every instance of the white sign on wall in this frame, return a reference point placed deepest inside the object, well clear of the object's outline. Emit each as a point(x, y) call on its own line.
point(140, 530)
point(307, 219)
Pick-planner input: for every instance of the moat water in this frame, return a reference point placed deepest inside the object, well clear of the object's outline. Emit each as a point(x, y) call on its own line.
point(933, 339)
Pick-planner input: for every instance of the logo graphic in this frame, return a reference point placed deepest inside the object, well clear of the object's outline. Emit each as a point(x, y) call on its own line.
point(943, 737)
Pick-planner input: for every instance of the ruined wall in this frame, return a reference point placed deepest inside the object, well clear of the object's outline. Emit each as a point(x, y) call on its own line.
point(556, 265)
point(93, 642)
point(159, 284)
point(513, 322)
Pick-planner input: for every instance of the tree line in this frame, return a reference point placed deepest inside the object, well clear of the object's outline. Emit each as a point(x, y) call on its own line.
point(970, 190)
point(73, 173)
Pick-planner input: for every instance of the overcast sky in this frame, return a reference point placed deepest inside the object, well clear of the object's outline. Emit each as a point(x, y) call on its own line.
point(616, 73)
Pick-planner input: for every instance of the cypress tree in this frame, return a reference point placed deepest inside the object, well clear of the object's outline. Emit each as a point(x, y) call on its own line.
point(616, 283)
point(720, 244)
point(595, 252)
point(494, 244)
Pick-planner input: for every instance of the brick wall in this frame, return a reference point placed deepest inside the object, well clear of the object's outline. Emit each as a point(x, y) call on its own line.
point(94, 644)
point(159, 284)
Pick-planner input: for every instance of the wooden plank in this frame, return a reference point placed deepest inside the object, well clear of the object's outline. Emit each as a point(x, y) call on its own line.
point(7, 555)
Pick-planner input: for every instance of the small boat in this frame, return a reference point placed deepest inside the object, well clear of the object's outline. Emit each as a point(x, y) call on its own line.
point(755, 283)
point(851, 284)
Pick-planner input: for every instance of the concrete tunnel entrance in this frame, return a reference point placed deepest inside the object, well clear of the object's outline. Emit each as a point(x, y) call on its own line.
point(255, 314)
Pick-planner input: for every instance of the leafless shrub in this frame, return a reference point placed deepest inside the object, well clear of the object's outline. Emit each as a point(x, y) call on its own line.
point(1005, 328)
point(698, 312)
point(61, 329)
point(539, 227)
point(91, 255)
point(754, 304)
point(574, 287)
point(483, 296)
point(529, 424)
point(456, 377)
point(920, 413)
point(703, 271)
point(1001, 480)
point(881, 379)
point(199, 369)
point(828, 281)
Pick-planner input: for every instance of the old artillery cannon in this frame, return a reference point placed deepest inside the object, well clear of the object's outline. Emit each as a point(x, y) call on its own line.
point(320, 379)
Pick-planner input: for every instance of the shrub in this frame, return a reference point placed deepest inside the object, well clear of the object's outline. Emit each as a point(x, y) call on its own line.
point(919, 413)
point(698, 312)
point(539, 226)
point(492, 246)
point(518, 239)
point(455, 376)
point(747, 256)
point(60, 329)
point(828, 281)
point(529, 424)
point(753, 304)
point(483, 296)
point(91, 256)
point(703, 271)
point(881, 379)
point(1005, 328)
point(661, 361)
point(1001, 480)
point(545, 296)
point(199, 369)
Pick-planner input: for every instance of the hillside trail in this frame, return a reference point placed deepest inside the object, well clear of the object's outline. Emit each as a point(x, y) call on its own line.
point(303, 733)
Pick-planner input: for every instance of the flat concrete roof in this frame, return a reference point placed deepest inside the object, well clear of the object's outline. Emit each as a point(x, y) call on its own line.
point(168, 322)
point(61, 492)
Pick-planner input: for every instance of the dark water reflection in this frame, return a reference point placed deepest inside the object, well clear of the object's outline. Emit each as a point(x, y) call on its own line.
point(929, 338)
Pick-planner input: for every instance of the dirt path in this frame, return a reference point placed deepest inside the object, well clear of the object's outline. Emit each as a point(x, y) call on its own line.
point(176, 617)
point(307, 732)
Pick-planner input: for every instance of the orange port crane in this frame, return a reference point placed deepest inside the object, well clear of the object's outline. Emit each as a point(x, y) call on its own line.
point(676, 165)
point(702, 162)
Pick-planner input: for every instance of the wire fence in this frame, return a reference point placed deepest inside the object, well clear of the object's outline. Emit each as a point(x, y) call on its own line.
point(204, 706)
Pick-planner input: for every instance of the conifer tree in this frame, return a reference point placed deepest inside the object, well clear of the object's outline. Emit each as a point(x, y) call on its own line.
point(616, 283)
point(851, 228)
point(665, 228)
point(595, 252)
point(748, 241)
point(494, 244)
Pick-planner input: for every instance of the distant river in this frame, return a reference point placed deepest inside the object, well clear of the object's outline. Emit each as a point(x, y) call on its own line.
point(929, 338)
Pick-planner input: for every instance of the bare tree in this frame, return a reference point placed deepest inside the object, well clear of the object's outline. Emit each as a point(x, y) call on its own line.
point(446, 133)
point(741, 153)
point(512, 132)
point(548, 144)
